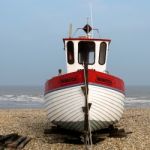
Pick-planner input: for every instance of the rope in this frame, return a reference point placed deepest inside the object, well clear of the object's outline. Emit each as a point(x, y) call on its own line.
point(89, 134)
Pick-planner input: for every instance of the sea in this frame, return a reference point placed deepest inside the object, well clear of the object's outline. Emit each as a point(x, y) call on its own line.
point(20, 97)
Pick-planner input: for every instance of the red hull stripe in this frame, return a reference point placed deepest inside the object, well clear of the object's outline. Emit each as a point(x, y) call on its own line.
point(61, 88)
point(77, 78)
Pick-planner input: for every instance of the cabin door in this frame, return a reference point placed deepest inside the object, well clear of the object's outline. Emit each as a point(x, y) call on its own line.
point(86, 52)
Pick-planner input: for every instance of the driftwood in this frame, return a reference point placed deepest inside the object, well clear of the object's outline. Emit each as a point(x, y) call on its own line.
point(24, 143)
point(16, 143)
point(6, 137)
point(13, 141)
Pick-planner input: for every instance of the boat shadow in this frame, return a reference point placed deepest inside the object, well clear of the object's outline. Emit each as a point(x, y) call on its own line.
point(56, 134)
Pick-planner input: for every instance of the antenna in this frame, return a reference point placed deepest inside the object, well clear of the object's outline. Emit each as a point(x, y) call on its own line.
point(91, 15)
point(70, 31)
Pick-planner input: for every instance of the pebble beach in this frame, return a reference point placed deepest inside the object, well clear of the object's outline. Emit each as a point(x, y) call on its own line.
point(32, 122)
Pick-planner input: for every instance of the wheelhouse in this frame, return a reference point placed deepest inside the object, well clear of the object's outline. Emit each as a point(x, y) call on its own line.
point(86, 49)
point(93, 51)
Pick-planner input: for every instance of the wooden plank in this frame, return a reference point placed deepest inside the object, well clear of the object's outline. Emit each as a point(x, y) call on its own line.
point(11, 139)
point(6, 137)
point(17, 142)
point(23, 143)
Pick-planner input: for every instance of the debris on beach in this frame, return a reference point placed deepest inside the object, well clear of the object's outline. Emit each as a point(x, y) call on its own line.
point(13, 141)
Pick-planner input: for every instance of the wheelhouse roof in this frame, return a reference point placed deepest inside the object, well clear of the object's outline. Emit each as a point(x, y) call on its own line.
point(86, 39)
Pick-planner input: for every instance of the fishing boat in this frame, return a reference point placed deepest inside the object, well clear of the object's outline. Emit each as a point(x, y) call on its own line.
point(87, 97)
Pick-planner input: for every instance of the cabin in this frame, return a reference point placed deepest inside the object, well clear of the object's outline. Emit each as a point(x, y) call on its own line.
point(94, 50)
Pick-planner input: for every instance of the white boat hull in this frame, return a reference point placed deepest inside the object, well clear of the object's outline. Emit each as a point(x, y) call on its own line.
point(64, 107)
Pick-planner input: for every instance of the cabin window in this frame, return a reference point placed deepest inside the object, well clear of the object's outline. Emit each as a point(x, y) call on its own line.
point(70, 52)
point(102, 53)
point(86, 52)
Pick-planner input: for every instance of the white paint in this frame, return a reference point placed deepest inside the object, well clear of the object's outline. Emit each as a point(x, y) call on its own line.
point(96, 66)
point(66, 105)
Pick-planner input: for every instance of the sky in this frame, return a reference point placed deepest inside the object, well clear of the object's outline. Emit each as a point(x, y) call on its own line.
point(31, 33)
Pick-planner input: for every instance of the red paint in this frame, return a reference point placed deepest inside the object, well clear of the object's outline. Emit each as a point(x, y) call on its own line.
point(86, 39)
point(94, 77)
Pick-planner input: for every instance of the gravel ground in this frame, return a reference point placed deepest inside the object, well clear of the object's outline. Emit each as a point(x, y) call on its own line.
point(32, 123)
